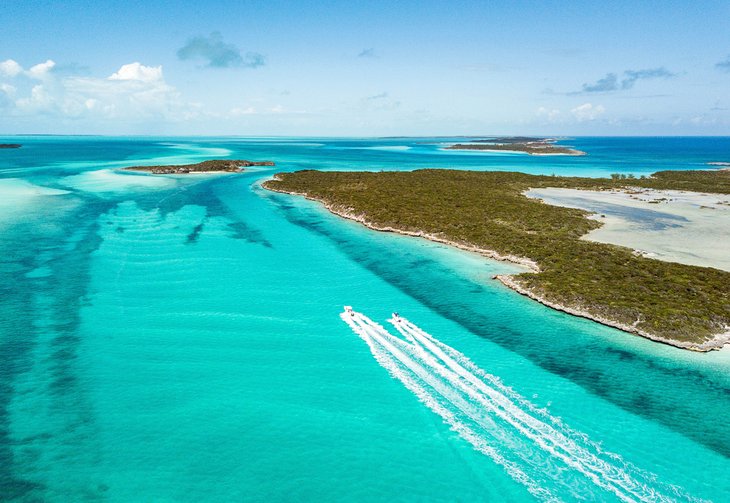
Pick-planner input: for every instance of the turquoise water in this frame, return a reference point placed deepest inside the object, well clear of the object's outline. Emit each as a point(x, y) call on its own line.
point(179, 339)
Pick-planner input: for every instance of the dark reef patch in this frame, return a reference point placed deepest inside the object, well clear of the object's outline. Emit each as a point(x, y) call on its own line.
point(195, 234)
point(242, 230)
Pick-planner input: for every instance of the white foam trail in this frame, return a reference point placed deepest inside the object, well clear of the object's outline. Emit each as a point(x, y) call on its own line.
point(532, 445)
point(382, 349)
point(541, 433)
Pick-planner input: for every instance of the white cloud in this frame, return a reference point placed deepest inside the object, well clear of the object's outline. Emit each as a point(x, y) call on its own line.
point(7, 93)
point(8, 89)
point(587, 112)
point(238, 111)
point(551, 114)
point(139, 72)
point(10, 68)
point(41, 70)
point(38, 101)
point(135, 92)
point(263, 111)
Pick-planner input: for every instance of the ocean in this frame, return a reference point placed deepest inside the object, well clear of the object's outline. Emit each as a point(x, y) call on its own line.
point(179, 339)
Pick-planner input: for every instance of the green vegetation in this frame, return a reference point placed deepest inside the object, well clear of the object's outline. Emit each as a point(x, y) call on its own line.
point(681, 304)
point(532, 146)
point(212, 166)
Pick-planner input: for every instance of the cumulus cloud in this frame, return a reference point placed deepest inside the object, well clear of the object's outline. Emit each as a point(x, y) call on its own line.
point(7, 93)
point(10, 68)
point(551, 114)
point(611, 81)
point(40, 100)
point(587, 112)
point(215, 53)
point(139, 72)
point(367, 53)
point(7, 89)
point(41, 70)
point(134, 92)
point(724, 65)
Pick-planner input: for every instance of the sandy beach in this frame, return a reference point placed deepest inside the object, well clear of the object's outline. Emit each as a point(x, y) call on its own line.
point(686, 227)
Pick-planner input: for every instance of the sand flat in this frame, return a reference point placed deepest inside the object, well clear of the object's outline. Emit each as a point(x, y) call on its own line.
point(111, 181)
point(686, 227)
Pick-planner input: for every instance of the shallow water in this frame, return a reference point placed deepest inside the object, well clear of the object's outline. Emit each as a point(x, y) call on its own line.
point(179, 338)
point(685, 227)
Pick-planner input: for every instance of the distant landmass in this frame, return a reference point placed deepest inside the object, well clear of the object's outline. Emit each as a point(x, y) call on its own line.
point(211, 166)
point(10, 145)
point(513, 139)
point(524, 144)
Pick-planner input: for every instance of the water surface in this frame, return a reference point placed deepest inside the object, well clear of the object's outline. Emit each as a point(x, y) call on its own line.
point(178, 337)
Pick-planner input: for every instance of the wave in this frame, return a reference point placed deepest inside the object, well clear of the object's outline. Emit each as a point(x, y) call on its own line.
point(553, 461)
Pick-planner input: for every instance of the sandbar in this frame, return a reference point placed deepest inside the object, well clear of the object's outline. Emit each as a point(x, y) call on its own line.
point(676, 226)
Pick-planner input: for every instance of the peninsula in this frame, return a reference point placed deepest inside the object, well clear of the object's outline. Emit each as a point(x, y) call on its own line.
point(519, 144)
point(212, 166)
point(683, 305)
point(10, 145)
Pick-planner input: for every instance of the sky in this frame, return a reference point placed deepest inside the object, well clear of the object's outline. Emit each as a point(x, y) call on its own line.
point(347, 68)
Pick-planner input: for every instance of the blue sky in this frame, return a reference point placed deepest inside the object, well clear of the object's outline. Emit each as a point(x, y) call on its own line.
point(371, 68)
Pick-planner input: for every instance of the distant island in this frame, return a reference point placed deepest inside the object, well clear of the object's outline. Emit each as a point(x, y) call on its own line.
point(10, 145)
point(523, 144)
point(212, 166)
point(686, 306)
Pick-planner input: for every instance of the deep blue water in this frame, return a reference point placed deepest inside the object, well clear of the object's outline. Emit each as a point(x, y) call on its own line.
point(178, 338)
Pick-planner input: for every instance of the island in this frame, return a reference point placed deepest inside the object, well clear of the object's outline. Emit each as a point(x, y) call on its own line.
point(518, 144)
point(686, 306)
point(211, 166)
point(10, 145)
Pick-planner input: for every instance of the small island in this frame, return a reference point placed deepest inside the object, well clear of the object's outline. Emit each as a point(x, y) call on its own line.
point(211, 166)
point(687, 306)
point(10, 145)
point(518, 144)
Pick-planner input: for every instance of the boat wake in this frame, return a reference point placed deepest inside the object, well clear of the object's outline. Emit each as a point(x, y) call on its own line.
point(553, 461)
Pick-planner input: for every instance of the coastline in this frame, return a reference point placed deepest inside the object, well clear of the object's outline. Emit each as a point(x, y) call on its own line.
point(209, 166)
point(717, 342)
point(574, 153)
point(341, 212)
point(214, 172)
point(518, 145)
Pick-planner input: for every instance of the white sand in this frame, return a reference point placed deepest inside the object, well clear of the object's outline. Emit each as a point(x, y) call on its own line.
point(107, 180)
point(685, 227)
point(19, 198)
point(15, 191)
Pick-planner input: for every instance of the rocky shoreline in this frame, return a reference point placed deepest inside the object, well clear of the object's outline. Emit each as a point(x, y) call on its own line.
point(212, 166)
point(716, 343)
